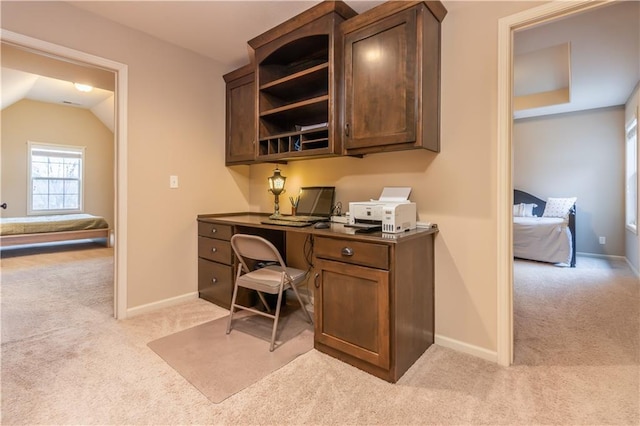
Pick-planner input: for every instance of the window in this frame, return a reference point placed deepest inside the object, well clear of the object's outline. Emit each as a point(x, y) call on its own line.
point(55, 178)
point(631, 176)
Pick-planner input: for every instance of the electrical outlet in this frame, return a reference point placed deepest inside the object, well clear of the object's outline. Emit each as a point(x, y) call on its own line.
point(603, 240)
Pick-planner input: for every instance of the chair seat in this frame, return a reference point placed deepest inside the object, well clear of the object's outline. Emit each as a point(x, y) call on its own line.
point(267, 279)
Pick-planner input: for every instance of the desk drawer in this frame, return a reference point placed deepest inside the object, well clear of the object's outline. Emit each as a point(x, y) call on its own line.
point(215, 275)
point(216, 250)
point(355, 252)
point(215, 230)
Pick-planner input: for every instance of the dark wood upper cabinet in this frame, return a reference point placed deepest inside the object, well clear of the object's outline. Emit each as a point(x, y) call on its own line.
point(298, 65)
point(331, 82)
point(392, 78)
point(240, 116)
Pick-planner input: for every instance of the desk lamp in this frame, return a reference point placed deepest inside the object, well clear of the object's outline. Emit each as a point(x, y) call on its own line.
point(276, 187)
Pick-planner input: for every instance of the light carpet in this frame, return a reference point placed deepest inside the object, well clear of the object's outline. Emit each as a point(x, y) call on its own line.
point(220, 364)
point(66, 361)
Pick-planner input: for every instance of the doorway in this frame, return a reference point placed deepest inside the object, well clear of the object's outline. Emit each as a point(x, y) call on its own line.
point(504, 194)
point(120, 156)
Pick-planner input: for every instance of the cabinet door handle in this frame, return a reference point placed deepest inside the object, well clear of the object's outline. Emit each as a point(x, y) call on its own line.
point(346, 129)
point(213, 249)
point(214, 230)
point(214, 280)
point(315, 281)
point(347, 251)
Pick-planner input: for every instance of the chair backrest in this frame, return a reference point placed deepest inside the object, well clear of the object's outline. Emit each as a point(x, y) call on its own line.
point(256, 248)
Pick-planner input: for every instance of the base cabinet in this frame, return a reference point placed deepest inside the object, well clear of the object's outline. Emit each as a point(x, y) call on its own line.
point(374, 301)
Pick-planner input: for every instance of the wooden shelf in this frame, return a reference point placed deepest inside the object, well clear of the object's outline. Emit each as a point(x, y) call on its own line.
point(301, 84)
point(296, 87)
point(305, 106)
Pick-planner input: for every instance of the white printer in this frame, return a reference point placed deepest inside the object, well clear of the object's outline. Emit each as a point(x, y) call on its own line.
point(393, 211)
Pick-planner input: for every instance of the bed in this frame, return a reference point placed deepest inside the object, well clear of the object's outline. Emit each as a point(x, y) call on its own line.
point(46, 229)
point(545, 237)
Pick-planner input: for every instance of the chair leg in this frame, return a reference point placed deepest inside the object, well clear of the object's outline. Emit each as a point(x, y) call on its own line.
point(295, 291)
point(232, 308)
point(275, 319)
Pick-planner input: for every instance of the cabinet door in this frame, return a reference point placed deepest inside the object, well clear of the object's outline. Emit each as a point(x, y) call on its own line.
point(241, 116)
point(381, 78)
point(352, 310)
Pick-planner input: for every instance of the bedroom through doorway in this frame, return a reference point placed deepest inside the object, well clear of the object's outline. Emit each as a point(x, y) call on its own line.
point(38, 94)
point(564, 152)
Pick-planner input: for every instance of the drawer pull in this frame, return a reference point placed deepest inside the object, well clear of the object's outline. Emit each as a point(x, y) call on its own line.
point(213, 249)
point(347, 251)
point(315, 281)
point(214, 280)
point(214, 230)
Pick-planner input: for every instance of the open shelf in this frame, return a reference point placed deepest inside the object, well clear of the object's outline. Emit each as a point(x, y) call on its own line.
point(295, 142)
point(296, 85)
point(293, 91)
point(307, 107)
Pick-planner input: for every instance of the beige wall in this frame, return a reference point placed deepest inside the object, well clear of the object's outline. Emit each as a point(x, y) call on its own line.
point(179, 129)
point(34, 121)
point(175, 127)
point(577, 155)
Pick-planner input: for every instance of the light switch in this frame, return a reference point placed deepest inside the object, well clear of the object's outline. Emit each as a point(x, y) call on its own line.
point(173, 181)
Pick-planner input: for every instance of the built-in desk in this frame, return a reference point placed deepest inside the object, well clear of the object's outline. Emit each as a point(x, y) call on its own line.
point(373, 293)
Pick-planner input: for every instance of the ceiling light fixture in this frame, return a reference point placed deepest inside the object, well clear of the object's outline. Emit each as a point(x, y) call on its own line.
point(83, 87)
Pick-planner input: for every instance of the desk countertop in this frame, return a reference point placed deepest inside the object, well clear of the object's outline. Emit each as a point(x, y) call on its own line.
point(335, 230)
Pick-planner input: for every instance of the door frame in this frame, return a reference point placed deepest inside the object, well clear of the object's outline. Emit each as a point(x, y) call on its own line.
point(506, 27)
point(120, 205)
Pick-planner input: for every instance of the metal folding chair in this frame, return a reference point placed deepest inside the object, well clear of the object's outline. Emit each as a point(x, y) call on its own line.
point(275, 278)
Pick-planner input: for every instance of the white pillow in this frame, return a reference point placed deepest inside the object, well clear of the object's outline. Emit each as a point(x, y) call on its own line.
point(558, 207)
point(527, 209)
point(518, 210)
point(523, 210)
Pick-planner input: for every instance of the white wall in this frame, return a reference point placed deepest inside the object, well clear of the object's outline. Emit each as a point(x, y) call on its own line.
point(577, 155)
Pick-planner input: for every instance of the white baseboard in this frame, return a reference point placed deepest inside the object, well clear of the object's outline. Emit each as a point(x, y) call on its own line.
point(597, 255)
point(466, 348)
point(607, 256)
point(633, 268)
point(149, 307)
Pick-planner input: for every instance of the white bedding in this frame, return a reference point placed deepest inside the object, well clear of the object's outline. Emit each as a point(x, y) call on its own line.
point(546, 239)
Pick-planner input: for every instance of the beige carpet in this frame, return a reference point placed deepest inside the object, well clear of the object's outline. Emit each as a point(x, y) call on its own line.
point(65, 361)
point(220, 365)
point(576, 316)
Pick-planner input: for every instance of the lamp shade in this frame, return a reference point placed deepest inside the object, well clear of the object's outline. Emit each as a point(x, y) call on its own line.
point(276, 182)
